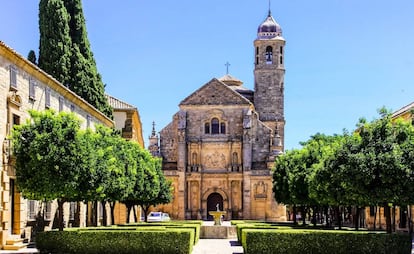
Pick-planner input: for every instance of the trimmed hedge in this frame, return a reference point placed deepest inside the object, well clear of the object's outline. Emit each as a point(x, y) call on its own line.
point(323, 242)
point(196, 226)
point(177, 241)
point(259, 225)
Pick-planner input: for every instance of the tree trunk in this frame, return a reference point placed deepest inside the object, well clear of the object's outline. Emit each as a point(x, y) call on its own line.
point(145, 210)
point(393, 218)
point(356, 219)
point(387, 214)
point(112, 206)
point(135, 214)
point(338, 217)
point(375, 217)
point(314, 216)
point(76, 221)
point(294, 215)
point(60, 213)
point(129, 207)
point(104, 214)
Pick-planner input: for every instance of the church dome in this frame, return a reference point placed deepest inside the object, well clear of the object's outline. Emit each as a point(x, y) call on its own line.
point(269, 28)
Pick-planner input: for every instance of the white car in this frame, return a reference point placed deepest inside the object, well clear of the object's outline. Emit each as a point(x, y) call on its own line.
point(158, 217)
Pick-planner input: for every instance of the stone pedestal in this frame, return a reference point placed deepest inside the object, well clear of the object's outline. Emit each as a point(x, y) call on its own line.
point(218, 232)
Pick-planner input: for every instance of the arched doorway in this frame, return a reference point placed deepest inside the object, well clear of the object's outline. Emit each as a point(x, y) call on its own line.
point(212, 201)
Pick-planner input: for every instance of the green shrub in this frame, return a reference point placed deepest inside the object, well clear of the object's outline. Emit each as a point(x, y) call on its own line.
point(194, 225)
point(323, 241)
point(116, 241)
point(242, 226)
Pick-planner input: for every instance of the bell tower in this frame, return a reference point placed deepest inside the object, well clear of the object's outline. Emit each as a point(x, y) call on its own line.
point(269, 72)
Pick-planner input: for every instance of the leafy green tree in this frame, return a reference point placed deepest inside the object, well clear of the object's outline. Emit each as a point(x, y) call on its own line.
point(47, 157)
point(153, 189)
point(383, 167)
point(55, 42)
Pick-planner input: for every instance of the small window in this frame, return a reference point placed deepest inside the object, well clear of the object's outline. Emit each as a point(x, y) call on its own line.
point(47, 98)
point(281, 50)
point(48, 210)
point(72, 210)
point(13, 77)
point(215, 126)
point(60, 103)
point(32, 89)
point(269, 55)
point(31, 213)
point(257, 51)
point(281, 59)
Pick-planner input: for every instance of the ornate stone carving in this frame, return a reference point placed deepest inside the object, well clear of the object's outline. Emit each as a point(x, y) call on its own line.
point(260, 190)
point(215, 160)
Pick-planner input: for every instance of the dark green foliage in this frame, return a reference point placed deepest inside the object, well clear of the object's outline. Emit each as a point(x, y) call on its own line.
point(32, 57)
point(46, 152)
point(80, 72)
point(55, 42)
point(174, 241)
point(323, 242)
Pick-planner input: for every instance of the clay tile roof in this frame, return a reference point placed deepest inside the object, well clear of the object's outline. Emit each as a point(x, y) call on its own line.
point(117, 103)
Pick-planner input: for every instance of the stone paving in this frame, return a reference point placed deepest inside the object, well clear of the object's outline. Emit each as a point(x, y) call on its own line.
point(217, 246)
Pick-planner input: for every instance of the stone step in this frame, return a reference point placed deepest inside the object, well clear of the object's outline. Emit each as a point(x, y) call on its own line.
point(12, 241)
point(16, 246)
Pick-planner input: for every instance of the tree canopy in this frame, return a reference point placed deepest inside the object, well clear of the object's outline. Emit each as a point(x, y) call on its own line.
point(372, 166)
point(57, 160)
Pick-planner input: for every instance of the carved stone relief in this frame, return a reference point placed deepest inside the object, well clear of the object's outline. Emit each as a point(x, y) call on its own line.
point(260, 190)
point(215, 160)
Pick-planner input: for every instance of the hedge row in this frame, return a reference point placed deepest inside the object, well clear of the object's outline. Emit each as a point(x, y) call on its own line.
point(294, 241)
point(196, 226)
point(175, 241)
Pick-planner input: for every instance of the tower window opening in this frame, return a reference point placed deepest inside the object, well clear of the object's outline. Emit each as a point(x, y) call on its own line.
point(269, 55)
point(257, 51)
point(257, 60)
point(281, 59)
point(281, 50)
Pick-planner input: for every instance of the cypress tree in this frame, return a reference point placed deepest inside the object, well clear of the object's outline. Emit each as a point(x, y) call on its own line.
point(81, 74)
point(55, 42)
point(32, 57)
point(86, 81)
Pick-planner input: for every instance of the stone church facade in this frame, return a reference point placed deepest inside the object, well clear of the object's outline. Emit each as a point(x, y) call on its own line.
point(221, 145)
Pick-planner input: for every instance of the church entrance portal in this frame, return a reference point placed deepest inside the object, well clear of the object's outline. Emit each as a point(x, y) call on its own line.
point(212, 201)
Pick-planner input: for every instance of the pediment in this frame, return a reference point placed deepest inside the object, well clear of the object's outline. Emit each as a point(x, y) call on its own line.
point(215, 92)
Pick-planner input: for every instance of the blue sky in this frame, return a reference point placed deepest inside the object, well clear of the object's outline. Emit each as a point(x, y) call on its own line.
point(343, 59)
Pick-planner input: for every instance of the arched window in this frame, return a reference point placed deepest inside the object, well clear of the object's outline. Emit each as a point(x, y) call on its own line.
point(207, 128)
point(215, 126)
point(222, 128)
point(269, 55)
